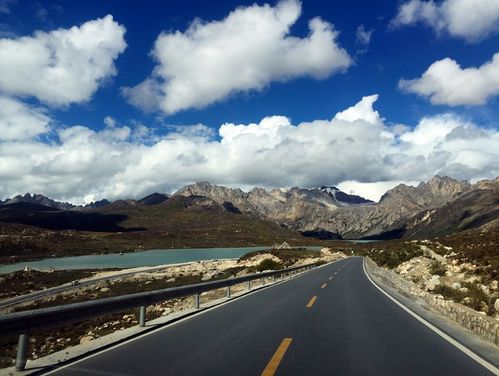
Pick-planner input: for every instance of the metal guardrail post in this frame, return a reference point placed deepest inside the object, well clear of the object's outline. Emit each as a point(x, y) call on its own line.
point(273, 278)
point(142, 316)
point(196, 301)
point(22, 352)
point(228, 291)
point(249, 285)
point(263, 281)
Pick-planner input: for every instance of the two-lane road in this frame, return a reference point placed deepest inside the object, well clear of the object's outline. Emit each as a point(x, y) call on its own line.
point(329, 321)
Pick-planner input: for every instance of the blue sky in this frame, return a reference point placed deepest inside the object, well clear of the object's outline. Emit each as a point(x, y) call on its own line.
point(403, 39)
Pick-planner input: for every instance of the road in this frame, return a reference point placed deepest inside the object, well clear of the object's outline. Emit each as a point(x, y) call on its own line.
point(329, 321)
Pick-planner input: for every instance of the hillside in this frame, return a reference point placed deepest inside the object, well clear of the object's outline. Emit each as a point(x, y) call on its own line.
point(31, 231)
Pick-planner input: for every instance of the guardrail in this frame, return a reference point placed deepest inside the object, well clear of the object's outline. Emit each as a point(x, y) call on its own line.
point(23, 323)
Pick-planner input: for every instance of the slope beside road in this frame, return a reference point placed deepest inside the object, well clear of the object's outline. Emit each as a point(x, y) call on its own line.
point(329, 321)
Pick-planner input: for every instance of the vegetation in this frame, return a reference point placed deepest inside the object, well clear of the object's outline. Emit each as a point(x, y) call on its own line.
point(471, 296)
point(21, 282)
point(478, 246)
point(387, 253)
point(437, 268)
point(268, 264)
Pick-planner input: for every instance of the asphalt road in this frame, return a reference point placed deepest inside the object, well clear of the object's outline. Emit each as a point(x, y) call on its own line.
point(350, 328)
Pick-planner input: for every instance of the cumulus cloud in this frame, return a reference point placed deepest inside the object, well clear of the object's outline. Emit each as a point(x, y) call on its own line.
point(445, 82)
point(361, 111)
point(19, 121)
point(355, 149)
point(63, 66)
point(247, 50)
point(471, 20)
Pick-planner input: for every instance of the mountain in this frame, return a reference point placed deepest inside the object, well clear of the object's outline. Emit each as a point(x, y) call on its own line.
point(344, 198)
point(154, 199)
point(39, 200)
point(477, 206)
point(328, 213)
point(440, 206)
point(402, 202)
point(297, 208)
point(97, 204)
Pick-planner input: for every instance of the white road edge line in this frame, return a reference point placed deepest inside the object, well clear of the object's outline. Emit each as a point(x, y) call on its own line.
point(449, 339)
point(166, 326)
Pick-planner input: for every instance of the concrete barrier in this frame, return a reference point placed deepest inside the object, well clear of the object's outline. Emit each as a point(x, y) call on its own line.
point(485, 326)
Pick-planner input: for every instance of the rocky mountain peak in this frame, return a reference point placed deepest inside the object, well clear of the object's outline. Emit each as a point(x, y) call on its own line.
point(40, 200)
point(435, 192)
point(444, 186)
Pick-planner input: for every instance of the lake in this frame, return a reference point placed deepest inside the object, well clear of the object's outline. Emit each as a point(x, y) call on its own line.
point(133, 259)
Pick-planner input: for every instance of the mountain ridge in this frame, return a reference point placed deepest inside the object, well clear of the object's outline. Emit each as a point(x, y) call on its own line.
point(326, 212)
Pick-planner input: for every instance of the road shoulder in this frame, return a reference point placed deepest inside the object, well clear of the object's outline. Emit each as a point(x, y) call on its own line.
point(471, 341)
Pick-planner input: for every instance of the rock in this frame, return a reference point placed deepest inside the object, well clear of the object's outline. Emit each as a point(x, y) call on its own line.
point(485, 289)
point(496, 305)
point(105, 289)
point(456, 285)
point(206, 277)
point(466, 300)
point(432, 283)
point(166, 311)
point(86, 339)
point(494, 285)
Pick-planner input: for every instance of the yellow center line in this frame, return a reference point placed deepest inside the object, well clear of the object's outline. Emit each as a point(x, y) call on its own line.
point(311, 302)
point(324, 285)
point(277, 357)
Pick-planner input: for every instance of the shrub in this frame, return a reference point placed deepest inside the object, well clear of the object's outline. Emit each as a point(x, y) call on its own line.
point(450, 293)
point(437, 268)
point(268, 264)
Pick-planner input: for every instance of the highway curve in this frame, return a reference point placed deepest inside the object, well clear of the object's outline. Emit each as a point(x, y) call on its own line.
point(329, 321)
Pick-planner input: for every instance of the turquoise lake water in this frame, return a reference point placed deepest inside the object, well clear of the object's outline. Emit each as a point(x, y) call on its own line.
point(134, 259)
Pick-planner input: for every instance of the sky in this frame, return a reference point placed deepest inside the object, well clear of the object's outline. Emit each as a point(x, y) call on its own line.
point(119, 99)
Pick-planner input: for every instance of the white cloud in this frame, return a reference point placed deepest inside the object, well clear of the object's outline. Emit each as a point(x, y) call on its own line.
point(471, 20)
point(19, 121)
point(355, 150)
point(445, 82)
point(372, 191)
point(363, 36)
point(361, 111)
point(247, 50)
point(63, 66)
